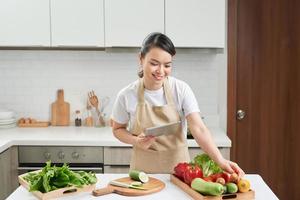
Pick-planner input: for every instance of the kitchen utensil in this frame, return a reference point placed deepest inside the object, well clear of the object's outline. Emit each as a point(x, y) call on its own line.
point(152, 186)
point(60, 111)
point(163, 130)
point(196, 195)
point(93, 99)
point(56, 193)
point(104, 102)
point(89, 119)
point(95, 103)
point(126, 185)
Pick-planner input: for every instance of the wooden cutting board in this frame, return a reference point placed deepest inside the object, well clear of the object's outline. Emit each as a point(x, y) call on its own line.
point(62, 192)
point(60, 111)
point(152, 186)
point(197, 196)
point(35, 124)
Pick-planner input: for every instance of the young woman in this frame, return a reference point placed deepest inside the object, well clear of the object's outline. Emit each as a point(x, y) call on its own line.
point(158, 99)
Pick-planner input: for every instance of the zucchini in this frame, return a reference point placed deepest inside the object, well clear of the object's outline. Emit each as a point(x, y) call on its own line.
point(139, 176)
point(231, 188)
point(207, 188)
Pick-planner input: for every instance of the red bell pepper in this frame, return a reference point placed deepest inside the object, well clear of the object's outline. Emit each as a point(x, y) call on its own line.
point(192, 173)
point(180, 169)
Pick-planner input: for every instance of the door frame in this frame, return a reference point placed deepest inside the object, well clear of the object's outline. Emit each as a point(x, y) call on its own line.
point(232, 74)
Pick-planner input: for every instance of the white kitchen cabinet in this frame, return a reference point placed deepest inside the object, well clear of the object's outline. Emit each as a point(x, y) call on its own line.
point(128, 22)
point(8, 172)
point(77, 23)
point(196, 23)
point(24, 23)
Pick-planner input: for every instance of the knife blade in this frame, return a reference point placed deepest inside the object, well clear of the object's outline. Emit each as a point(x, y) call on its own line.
point(126, 185)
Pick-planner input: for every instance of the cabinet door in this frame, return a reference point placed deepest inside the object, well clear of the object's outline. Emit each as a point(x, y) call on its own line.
point(128, 22)
point(24, 23)
point(196, 23)
point(117, 155)
point(77, 23)
point(116, 169)
point(4, 174)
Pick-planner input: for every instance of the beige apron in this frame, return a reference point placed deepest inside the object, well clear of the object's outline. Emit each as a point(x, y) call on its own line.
point(168, 150)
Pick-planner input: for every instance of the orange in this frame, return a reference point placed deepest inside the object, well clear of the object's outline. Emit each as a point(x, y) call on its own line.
point(243, 185)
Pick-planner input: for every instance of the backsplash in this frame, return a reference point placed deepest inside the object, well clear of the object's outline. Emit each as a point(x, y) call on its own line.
point(29, 79)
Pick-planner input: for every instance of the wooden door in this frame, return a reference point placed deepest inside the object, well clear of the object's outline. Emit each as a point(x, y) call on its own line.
point(264, 81)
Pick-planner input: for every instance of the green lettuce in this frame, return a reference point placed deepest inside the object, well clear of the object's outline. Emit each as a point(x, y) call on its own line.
point(207, 165)
point(52, 178)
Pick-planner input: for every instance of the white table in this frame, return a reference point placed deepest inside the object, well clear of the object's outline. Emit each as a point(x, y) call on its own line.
point(171, 191)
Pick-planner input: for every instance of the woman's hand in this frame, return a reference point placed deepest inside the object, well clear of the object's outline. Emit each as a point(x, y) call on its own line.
point(231, 167)
point(144, 142)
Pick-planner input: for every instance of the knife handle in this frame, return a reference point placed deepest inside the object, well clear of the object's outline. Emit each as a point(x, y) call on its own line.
point(103, 191)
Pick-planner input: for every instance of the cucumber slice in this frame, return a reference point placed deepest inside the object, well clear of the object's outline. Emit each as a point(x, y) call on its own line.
point(136, 183)
point(139, 176)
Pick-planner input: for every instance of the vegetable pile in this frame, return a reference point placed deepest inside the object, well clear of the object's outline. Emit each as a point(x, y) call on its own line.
point(206, 177)
point(51, 178)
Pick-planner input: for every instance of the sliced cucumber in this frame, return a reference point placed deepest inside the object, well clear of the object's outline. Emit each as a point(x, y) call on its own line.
point(136, 183)
point(139, 176)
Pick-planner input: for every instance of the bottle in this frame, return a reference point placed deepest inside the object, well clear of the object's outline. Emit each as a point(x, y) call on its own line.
point(89, 119)
point(77, 118)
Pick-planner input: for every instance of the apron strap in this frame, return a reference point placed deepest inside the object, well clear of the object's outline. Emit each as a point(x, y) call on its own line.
point(168, 92)
point(140, 93)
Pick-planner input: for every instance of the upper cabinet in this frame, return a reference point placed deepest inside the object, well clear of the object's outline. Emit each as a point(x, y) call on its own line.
point(196, 23)
point(128, 22)
point(77, 23)
point(24, 23)
point(111, 23)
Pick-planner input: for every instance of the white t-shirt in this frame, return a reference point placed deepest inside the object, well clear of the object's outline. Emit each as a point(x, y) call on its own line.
point(124, 108)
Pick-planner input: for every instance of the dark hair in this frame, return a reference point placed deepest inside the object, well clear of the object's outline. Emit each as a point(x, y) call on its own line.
point(159, 40)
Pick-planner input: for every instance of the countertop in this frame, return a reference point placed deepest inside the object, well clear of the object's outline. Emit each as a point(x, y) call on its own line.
point(171, 191)
point(79, 136)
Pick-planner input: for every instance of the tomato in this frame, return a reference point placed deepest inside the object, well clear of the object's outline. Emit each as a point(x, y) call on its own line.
point(180, 169)
point(208, 179)
point(226, 177)
point(192, 173)
point(223, 175)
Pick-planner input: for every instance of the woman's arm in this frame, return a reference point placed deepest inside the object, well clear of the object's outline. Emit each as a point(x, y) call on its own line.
point(121, 133)
point(204, 139)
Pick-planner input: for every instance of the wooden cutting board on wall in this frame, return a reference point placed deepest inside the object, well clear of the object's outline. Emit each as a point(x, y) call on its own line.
point(60, 111)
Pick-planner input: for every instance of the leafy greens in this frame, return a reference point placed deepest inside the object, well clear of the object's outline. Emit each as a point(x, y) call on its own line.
point(207, 165)
point(52, 178)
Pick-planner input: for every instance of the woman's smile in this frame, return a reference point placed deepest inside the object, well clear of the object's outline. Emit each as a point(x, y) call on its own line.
point(158, 77)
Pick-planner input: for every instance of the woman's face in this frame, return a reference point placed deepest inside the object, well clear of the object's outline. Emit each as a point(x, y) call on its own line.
point(157, 65)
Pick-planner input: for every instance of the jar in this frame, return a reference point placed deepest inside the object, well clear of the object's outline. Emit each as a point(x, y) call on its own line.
point(77, 118)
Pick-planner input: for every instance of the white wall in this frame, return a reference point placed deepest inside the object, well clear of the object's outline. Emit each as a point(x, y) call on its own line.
point(29, 79)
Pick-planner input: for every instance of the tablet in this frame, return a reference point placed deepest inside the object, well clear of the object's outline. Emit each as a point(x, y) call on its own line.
point(165, 129)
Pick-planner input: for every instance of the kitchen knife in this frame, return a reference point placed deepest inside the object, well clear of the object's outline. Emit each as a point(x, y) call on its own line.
point(126, 185)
